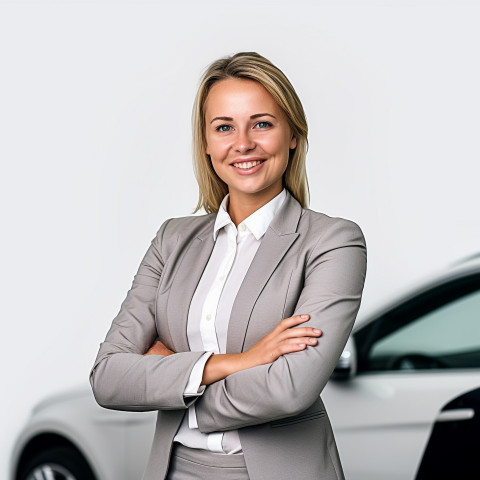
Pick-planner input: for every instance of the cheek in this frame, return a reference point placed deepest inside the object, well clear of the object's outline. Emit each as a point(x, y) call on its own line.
point(217, 159)
point(216, 149)
point(208, 143)
point(277, 145)
point(220, 169)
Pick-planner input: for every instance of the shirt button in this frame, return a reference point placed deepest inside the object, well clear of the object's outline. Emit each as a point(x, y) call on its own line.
point(208, 317)
point(222, 278)
point(242, 227)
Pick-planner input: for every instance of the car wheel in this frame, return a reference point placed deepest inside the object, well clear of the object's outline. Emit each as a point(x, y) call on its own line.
point(56, 463)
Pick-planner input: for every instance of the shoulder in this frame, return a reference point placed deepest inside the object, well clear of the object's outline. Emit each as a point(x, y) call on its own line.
point(184, 228)
point(187, 224)
point(322, 228)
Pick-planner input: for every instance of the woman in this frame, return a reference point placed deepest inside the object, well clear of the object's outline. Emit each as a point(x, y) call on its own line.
point(236, 319)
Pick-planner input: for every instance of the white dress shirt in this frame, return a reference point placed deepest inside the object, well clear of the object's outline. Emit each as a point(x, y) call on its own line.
point(210, 309)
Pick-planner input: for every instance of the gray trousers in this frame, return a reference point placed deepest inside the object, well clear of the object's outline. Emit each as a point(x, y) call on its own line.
point(194, 464)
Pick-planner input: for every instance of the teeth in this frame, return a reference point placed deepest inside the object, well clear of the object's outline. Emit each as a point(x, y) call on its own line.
point(247, 165)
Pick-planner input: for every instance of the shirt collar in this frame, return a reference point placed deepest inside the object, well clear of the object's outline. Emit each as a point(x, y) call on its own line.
point(257, 223)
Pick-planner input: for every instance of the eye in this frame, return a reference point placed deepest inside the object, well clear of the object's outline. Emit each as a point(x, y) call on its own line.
point(263, 124)
point(223, 128)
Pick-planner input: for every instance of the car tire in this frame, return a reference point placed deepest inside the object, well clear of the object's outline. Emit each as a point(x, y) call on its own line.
point(59, 463)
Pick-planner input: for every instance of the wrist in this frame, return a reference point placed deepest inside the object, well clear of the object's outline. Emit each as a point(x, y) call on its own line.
point(220, 366)
point(244, 360)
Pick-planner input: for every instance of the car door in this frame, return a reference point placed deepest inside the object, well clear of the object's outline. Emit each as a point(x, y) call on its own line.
point(413, 362)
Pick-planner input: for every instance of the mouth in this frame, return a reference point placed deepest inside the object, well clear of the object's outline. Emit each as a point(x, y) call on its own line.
point(247, 165)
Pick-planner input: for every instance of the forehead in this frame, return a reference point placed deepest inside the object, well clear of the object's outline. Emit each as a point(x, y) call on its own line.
point(237, 96)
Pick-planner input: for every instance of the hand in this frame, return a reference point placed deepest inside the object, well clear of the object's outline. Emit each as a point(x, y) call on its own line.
point(158, 348)
point(282, 339)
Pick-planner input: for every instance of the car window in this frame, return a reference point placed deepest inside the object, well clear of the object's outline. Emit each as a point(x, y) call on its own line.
point(446, 337)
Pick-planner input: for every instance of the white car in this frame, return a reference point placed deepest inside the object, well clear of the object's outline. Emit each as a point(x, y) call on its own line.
point(404, 400)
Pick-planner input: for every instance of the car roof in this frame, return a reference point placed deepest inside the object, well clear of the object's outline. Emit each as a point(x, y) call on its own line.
point(466, 266)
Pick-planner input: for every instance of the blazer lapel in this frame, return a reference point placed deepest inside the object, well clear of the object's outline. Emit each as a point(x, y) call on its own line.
point(279, 237)
point(194, 261)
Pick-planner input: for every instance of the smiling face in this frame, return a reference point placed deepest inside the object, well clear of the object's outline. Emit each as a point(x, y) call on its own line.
point(248, 139)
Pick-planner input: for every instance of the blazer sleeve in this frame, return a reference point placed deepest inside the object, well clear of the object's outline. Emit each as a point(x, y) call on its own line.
point(331, 294)
point(122, 378)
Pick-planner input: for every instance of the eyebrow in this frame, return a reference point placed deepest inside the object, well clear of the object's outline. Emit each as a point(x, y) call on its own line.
point(252, 117)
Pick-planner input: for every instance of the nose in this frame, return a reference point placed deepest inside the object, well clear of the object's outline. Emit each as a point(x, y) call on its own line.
point(244, 142)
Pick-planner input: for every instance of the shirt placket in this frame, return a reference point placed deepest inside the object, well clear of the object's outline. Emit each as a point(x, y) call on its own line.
point(209, 310)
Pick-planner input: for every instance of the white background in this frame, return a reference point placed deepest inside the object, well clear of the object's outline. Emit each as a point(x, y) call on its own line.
point(95, 102)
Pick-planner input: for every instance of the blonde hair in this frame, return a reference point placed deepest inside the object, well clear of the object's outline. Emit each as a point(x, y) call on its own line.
point(249, 65)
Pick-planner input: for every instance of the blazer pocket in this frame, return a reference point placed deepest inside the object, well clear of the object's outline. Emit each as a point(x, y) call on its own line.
point(304, 417)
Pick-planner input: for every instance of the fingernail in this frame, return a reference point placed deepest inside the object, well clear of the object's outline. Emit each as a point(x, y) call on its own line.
point(303, 316)
point(301, 345)
point(316, 331)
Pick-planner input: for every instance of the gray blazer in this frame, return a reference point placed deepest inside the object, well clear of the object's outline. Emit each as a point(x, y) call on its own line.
point(307, 262)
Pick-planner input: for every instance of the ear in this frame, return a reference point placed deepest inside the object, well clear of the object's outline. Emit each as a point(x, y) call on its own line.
point(207, 150)
point(293, 143)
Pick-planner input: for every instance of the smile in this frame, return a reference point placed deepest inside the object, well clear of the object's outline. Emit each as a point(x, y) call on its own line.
point(247, 165)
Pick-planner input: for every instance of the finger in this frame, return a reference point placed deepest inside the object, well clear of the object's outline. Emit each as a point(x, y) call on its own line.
point(292, 321)
point(301, 332)
point(292, 347)
point(301, 340)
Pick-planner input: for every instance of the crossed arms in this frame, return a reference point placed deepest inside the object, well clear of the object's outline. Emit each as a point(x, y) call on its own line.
point(280, 376)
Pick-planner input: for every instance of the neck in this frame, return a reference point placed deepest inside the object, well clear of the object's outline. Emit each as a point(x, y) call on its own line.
point(242, 205)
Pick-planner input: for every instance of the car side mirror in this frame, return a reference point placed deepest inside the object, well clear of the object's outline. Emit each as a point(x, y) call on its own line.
point(347, 363)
